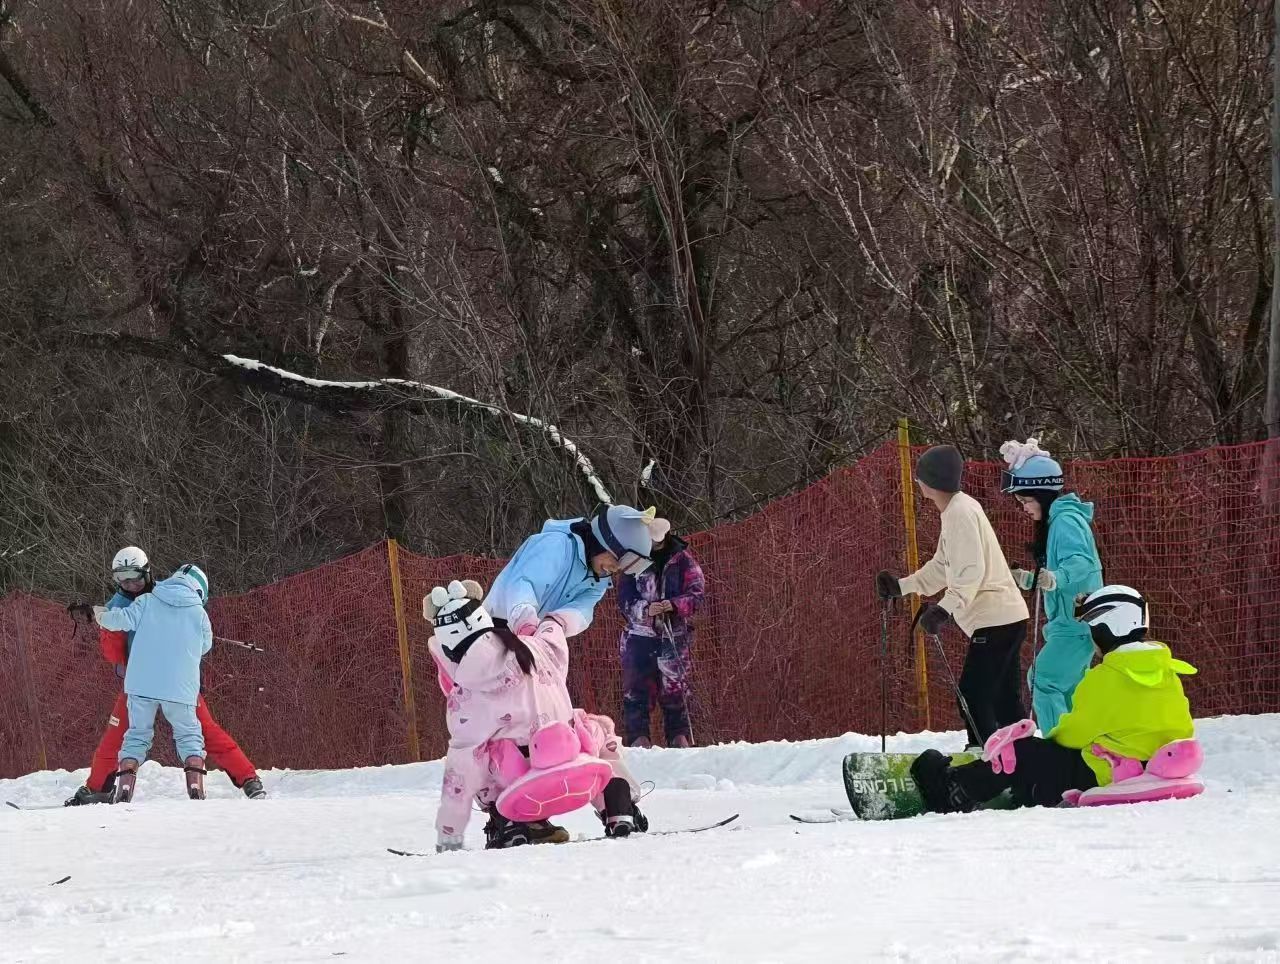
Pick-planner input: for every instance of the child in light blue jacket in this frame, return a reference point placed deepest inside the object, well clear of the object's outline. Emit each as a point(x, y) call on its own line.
point(171, 632)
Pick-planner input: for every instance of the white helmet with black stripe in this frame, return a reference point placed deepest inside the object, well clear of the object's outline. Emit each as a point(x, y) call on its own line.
point(131, 565)
point(1115, 615)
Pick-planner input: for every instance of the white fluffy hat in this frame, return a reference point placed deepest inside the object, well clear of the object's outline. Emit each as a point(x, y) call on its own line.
point(456, 612)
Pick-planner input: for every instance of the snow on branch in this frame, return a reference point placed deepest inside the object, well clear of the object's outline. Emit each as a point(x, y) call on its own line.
point(554, 434)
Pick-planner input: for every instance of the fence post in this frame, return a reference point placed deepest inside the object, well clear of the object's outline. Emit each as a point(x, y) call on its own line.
point(913, 563)
point(406, 658)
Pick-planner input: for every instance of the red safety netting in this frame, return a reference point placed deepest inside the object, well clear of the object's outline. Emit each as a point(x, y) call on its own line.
point(787, 647)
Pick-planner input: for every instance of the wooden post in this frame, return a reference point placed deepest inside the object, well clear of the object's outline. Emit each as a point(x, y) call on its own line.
point(913, 563)
point(406, 658)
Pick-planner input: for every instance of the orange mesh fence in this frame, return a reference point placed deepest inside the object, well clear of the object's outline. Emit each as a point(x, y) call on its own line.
point(786, 647)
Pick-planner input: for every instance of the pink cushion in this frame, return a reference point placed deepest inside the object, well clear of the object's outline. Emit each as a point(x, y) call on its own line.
point(544, 793)
point(1181, 758)
point(552, 745)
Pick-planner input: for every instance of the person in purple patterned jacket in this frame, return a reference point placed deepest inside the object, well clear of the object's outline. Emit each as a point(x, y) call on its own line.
point(658, 606)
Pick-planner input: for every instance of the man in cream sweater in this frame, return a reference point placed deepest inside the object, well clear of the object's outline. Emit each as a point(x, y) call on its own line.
point(978, 592)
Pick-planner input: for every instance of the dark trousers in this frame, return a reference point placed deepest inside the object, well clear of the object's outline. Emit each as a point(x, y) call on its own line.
point(1044, 771)
point(655, 665)
point(991, 680)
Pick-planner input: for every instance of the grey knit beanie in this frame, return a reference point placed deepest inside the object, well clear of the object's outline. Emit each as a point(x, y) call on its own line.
point(941, 468)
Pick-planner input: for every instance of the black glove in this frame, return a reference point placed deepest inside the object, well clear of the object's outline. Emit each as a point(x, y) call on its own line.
point(934, 619)
point(81, 612)
point(887, 586)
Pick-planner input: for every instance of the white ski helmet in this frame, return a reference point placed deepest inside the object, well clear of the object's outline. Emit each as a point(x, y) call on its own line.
point(199, 581)
point(1114, 615)
point(130, 563)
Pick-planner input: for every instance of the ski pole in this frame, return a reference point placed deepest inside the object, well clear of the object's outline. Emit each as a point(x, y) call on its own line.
point(884, 656)
point(236, 642)
point(1035, 654)
point(964, 704)
point(665, 621)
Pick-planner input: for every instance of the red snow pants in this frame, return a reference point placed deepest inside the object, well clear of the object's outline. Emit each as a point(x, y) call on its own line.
point(220, 748)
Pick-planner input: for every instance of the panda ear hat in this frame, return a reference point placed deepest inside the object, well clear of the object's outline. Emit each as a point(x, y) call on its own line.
point(439, 597)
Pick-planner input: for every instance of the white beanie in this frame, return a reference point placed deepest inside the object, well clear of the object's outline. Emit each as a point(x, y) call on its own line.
point(457, 614)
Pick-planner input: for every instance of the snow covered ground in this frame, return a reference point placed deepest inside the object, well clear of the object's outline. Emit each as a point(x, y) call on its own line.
point(305, 875)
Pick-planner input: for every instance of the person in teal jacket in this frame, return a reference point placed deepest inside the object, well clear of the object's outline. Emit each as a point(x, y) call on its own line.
point(1066, 563)
point(565, 569)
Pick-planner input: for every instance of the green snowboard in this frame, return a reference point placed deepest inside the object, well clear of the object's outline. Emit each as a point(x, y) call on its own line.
point(880, 786)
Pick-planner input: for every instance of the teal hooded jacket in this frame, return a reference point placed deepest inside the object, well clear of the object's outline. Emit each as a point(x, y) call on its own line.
point(1072, 556)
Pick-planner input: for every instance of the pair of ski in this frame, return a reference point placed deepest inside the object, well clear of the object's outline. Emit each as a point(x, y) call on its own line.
point(656, 833)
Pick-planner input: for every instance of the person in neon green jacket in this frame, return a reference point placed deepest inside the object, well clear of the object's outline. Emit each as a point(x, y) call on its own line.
point(1128, 706)
point(1065, 557)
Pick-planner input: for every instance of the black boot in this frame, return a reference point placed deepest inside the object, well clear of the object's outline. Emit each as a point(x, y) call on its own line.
point(501, 833)
point(621, 817)
point(253, 789)
point(941, 792)
point(85, 796)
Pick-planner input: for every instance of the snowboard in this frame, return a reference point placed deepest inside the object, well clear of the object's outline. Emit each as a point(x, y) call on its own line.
point(880, 786)
point(635, 836)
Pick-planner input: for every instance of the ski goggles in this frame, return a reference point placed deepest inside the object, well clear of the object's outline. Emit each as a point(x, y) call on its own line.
point(122, 576)
point(633, 564)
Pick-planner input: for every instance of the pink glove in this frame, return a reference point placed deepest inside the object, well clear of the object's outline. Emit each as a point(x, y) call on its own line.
point(999, 748)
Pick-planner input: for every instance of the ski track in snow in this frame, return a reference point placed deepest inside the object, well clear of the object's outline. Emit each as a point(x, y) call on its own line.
point(305, 876)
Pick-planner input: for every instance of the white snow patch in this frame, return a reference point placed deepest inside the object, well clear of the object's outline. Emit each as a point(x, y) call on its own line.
point(305, 875)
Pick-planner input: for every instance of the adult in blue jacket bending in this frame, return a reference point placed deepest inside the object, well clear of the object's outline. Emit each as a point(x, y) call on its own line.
point(565, 569)
point(171, 633)
point(1066, 563)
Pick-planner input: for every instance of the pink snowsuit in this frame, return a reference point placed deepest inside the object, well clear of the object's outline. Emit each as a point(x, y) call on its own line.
point(489, 698)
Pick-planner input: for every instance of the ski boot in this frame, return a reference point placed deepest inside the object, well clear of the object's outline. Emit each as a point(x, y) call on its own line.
point(126, 777)
point(85, 796)
point(681, 742)
point(641, 743)
point(621, 817)
point(195, 771)
point(501, 833)
point(942, 793)
point(253, 789)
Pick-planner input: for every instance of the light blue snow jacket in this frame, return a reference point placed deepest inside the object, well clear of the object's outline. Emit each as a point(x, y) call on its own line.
point(171, 632)
point(549, 572)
